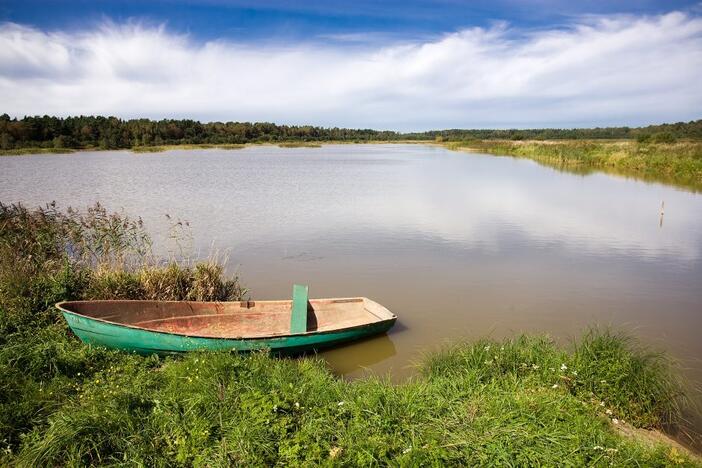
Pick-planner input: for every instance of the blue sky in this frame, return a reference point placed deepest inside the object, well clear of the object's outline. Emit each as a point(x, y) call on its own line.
point(312, 20)
point(401, 65)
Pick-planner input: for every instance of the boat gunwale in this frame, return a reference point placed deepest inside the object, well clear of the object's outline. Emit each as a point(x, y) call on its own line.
point(392, 318)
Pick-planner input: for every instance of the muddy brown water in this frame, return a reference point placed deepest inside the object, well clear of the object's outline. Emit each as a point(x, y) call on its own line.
point(458, 245)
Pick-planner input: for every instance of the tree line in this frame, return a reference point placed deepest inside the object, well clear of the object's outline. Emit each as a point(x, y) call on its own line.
point(115, 133)
point(660, 133)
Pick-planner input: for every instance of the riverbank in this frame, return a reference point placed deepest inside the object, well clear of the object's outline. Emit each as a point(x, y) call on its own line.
point(188, 146)
point(519, 401)
point(678, 163)
point(162, 148)
point(33, 150)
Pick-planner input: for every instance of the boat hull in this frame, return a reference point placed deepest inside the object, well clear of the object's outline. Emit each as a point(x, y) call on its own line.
point(141, 341)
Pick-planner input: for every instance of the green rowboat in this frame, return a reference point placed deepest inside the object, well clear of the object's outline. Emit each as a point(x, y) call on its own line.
point(165, 327)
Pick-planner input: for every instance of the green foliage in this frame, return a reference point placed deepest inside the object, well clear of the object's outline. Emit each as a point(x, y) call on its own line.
point(669, 132)
point(143, 134)
point(663, 137)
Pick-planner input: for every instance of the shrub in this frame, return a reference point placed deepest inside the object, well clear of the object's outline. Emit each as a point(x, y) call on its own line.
point(663, 137)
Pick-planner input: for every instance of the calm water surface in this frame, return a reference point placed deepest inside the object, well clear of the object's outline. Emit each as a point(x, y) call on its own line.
point(456, 244)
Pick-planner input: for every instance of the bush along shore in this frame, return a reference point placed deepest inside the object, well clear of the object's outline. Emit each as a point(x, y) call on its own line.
point(657, 159)
point(523, 401)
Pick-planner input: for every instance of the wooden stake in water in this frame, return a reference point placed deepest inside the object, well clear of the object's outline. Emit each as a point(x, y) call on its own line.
point(660, 223)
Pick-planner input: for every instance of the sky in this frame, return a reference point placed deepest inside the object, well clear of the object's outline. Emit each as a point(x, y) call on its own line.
point(410, 65)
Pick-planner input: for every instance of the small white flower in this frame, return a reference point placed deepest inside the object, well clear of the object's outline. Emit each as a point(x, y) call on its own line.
point(609, 411)
point(554, 385)
point(603, 381)
point(564, 367)
point(602, 403)
point(487, 348)
point(341, 403)
point(575, 373)
point(407, 450)
point(297, 405)
point(598, 447)
point(615, 421)
point(534, 366)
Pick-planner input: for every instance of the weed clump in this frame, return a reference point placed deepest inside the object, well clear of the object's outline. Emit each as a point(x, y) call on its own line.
point(608, 369)
point(629, 378)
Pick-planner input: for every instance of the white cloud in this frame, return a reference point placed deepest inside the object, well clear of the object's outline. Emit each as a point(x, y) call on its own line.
point(599, 71)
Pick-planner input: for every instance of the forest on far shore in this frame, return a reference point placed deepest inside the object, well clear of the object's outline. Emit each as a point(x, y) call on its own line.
point(115, 133)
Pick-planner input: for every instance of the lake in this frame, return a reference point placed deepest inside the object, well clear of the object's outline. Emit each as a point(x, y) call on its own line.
point(458, 245)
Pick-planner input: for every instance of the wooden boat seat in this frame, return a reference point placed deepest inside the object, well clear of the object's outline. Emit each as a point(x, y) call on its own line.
point(298, 316)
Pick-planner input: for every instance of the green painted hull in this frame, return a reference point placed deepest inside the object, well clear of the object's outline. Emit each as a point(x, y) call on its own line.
point(141, 341)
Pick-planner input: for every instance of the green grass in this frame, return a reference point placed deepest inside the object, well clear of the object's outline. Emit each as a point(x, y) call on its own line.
point(678, 163)
point(524, 401)
point(485, 403)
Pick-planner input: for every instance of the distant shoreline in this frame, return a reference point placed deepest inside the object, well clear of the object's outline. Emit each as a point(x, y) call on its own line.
point(188, 146)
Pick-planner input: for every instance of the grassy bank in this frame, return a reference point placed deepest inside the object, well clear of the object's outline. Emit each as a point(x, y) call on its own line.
point(672, 162)
point(161, 148)
point(23, 151)
point(299, 144)
point(62, 403)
